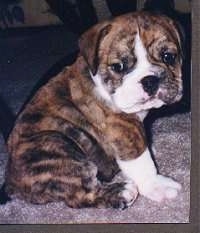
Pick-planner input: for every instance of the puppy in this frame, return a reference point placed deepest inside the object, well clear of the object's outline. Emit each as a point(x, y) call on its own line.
point(85, 125)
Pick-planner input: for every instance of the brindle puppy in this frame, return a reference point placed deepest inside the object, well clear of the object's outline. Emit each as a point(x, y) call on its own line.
point(85, 124)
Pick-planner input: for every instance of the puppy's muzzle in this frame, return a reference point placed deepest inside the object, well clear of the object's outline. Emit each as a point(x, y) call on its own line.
point(150, 84)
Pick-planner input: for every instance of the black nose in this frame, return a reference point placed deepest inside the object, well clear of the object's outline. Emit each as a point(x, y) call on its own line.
point(150, 84)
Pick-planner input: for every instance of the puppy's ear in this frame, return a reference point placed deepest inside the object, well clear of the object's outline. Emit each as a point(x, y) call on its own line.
point(89, 44)
point(182, 37)
point(180, 34)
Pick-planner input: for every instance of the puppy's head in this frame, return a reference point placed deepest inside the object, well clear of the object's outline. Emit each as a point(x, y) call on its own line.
point(135, 61)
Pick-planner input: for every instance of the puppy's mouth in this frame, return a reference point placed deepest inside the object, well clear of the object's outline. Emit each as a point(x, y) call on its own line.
point(162, 97)
point(145, 104)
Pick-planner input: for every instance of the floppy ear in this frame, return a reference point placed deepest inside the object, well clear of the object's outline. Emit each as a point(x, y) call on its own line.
point(180, 34)
point(182, 38)
point(89, 44)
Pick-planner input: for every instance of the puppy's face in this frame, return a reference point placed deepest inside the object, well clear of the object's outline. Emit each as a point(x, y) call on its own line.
point(135, 61)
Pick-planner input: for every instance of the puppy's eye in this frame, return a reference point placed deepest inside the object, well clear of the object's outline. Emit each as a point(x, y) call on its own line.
point(168, 58)
point(118, 67)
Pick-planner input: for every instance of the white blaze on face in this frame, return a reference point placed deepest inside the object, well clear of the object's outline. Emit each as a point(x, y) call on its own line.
point(130, 96)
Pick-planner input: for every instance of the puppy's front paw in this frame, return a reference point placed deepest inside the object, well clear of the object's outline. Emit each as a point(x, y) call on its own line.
point(159, 188)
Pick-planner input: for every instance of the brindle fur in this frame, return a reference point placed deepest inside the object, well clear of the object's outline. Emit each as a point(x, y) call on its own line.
point(65, 142)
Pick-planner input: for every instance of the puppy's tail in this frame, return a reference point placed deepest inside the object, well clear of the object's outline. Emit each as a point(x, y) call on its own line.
point(4, 198)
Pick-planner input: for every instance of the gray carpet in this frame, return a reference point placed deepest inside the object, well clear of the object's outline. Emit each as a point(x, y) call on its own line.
point(171, 139)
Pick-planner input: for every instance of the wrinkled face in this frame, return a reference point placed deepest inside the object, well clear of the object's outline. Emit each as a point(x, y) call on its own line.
point(136, 62)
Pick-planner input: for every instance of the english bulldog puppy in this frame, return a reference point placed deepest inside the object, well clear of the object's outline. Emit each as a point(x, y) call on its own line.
point(86, 124)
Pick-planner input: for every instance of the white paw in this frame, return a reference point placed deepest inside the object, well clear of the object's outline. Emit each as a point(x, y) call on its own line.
point(130, 193)
point(159, 188)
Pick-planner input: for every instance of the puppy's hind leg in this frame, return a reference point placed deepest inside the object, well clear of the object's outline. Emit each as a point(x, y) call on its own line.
point(116, 195)
point(91, 192)
point(82, 189)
